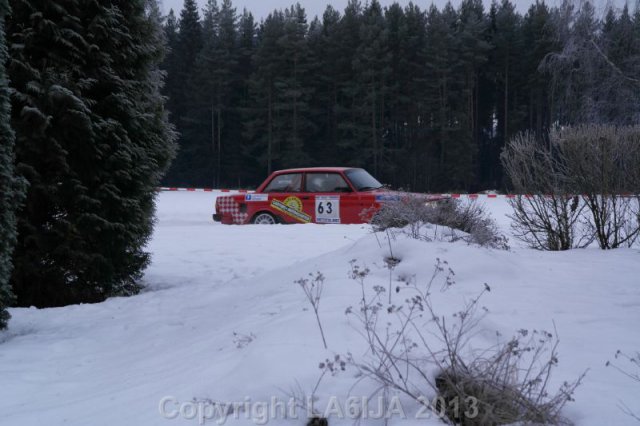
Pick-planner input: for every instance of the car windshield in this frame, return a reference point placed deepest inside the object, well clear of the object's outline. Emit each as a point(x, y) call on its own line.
point(362, 180)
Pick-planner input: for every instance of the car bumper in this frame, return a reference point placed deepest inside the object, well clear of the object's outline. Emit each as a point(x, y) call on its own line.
point(217, 218)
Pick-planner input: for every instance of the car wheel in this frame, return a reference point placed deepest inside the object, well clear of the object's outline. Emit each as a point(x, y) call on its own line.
point(264, 219)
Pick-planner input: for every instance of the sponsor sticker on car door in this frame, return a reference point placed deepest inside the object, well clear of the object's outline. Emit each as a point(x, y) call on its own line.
point(328, 209)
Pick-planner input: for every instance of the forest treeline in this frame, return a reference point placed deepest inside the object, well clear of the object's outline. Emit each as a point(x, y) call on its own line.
point(423, 98)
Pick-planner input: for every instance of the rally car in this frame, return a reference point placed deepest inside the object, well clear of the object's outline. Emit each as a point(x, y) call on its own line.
point(329, 195)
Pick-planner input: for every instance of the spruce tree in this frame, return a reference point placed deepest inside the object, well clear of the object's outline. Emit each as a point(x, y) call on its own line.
point(294, 88)
point(263, 136)
point(216, 74)
point(441, 96)
point(170, 64)
point(190, 167)
point(10, 186)
point(538, 34)
point(372, 69)
point(92, 139)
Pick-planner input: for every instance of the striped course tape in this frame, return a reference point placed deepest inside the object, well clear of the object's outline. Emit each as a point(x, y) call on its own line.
point(470, 196)
point(201, 190)
point(244, 191)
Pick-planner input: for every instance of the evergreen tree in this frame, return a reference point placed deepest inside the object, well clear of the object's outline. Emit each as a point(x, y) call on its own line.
point(441, 96)
point(406, 103)
point(171, 64)
point(10, 186)
point(294, 89)
point(278, 122)
point(245, 170)
point(578, 68)
point(221, 84)
point(371, 65)
point(473, 54)
point(262, 131)
point(190, 166)
point(619, 89)
point(501, 100)
point(333, 45)
point(92, 139)
point(539, 37)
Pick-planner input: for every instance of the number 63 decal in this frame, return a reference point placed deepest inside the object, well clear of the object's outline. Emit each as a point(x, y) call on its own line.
point(327, 209)
point(321, 208)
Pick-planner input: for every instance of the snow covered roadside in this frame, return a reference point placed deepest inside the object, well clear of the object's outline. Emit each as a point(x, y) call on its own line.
point(224, 321)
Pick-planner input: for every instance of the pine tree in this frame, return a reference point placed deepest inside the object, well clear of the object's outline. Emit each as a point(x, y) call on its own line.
point(245, 169)
point(333, 46)
point(619, 89)
point(294, 89)
point(170, 64)
point(278, 121)
point(372, 69)
point(217, 79)
point(539, 37)
point(473, 54)
point(501, 99)
point(577, 69)
point(441, 95)
point(190, 166)
point(10, 186)
point(405, 105)
point(92, 140)
point(261, 131)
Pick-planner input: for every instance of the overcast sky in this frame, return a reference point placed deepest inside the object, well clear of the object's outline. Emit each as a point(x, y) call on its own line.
point(261, 8)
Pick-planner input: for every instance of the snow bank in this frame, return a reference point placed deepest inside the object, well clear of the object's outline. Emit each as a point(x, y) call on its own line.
point(223, 321)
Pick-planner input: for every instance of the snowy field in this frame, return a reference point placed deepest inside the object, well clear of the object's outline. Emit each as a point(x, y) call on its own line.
point(223, 321)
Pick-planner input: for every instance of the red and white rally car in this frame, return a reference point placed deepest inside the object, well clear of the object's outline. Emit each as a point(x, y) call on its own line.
point(329, 195)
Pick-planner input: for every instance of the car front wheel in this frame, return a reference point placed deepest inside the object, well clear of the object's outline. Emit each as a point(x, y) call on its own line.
point(264, 219)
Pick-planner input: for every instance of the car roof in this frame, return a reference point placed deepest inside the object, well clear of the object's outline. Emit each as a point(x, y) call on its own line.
point(316, 169)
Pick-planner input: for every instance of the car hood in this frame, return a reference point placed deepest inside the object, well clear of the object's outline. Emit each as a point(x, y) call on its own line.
point(383, 195)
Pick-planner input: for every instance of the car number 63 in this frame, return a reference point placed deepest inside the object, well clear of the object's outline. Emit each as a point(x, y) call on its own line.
point(327, 209)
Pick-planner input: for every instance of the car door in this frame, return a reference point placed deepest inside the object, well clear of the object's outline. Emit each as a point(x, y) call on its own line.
point(286, 199)
point(329, 196)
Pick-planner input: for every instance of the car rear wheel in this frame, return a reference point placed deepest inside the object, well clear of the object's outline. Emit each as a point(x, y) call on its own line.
point(264, 219)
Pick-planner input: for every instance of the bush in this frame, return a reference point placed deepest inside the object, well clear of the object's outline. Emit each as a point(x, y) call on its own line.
point(580, 179)
point(631, 369)
point(505, 384)
point(508, 386)
point(416, 216)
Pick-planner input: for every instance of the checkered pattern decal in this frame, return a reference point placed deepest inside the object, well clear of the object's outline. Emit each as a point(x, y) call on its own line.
point(228, 206)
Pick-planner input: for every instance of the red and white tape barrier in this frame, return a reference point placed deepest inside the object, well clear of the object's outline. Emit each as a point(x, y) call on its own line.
point(201, 190)
point(457, 196)
point(243, 191)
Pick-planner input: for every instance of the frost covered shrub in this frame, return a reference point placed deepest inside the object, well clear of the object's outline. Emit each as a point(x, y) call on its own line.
point(508, 386)
point(631, 369)
point(416, 216)
point(583, 185)
point(408, 211)
point(408, 339)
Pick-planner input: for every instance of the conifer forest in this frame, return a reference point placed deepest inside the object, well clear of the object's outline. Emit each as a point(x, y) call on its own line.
point(424, 98)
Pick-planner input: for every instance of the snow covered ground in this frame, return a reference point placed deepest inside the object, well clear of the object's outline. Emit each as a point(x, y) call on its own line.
point(223, 321)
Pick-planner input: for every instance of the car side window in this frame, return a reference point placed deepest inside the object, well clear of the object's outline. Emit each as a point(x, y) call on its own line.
point(285, 183)
point(326, 182)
